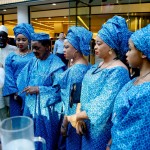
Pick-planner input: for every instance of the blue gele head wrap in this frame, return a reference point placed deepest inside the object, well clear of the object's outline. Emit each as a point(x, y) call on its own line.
point(25, 29)
point(141, 40)
point(115, 34)
point(80, 39)
point(39, 36)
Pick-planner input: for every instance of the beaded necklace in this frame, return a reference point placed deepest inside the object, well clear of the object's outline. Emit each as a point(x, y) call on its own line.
point(97, 69)
point(138, 79)
point(23, 54)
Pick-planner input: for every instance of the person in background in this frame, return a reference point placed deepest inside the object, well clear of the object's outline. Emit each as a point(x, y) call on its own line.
point(59, 46)
point(76, 44)
point(5, 50)
point(131, 123)
point(101, 84)
point(38, 80)
point(14, 63)
point(2, 104)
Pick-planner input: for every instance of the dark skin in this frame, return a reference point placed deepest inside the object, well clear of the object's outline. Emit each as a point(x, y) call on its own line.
point(3, 39)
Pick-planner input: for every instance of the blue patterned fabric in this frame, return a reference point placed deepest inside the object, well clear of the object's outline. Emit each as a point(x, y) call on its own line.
point(115, 34)
point(39, 36)
point(25, 29)
point(80, 39)
point(13, 65)
point(43, 107)
point(71, 76)
point(97, 99)
point(141, 40)
point(131, 118)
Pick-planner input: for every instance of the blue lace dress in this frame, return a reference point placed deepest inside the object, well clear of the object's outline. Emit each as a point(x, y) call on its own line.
point(13, 65)
point(72, 77)
point(99, 89)
point(131, 118)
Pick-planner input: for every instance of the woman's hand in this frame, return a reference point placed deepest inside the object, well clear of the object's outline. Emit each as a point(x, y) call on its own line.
point(81, 127)
point(31, 90)
point(73, 120)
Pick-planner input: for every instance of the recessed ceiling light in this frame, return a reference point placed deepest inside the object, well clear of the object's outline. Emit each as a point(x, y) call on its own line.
point(4, 10)
point(54, 4)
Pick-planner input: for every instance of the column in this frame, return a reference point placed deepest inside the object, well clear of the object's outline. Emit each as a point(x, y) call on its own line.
point(23, 14)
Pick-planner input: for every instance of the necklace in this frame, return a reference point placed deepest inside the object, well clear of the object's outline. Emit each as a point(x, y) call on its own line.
point(96, 70)
point(138, 79)
point(23, 54)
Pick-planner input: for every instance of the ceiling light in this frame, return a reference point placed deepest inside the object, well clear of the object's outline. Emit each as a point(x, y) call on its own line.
point(65, 17)
point(4, 10)
point(54, 4)
point(49, 18)
point(36, 19)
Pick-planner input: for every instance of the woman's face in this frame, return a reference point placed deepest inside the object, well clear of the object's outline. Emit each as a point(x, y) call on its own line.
point(69, 50)
point(40, 51)
point(22, 42)
point(101, 48)
point(134, 56)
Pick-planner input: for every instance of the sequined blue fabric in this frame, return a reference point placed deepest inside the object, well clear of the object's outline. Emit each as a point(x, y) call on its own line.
point(13, 65)
point(25, 29)
point(131, 118)
point(43, 107)
point(72, 76)
point(141, 40)
point(97, 98)
point(80, 39)
point(39, 36)
point(115, 33)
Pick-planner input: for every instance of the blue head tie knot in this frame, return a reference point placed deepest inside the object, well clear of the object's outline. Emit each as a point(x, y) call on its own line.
point(115, 34)
point(80, 39)
point(141, 40)
point(25, 29)
point(39, 36)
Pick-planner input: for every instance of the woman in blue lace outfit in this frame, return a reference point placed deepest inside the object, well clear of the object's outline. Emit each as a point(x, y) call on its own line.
point(14, 63)
point(101, 84)
point(76, 44)
point(131, 117)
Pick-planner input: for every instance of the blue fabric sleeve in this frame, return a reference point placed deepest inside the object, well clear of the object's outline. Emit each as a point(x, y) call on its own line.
point(51, 93)
point(135, 124)
point(10, 86)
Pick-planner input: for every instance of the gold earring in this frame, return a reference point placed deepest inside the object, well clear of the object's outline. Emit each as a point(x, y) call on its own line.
point(110, 52)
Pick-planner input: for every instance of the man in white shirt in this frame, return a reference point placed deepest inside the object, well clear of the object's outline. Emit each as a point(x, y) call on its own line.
point(5, 50)
point(59, 47)
point(3, 110)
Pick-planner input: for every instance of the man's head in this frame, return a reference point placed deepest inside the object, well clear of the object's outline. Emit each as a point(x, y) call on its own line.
point(61, 35)
point(40, 45)
point(3, 36)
